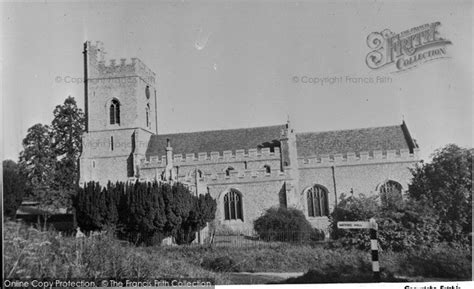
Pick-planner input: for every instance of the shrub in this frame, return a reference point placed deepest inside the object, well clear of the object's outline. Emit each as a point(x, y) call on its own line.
point(283, 224)
point(144, 213)
point(399, 228)
point(317, 235)
point(442, 260)
point(407, 228)
point(202, 212)
point(353, 208)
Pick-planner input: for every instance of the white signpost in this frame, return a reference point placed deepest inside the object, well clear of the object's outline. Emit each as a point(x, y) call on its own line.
point(372, 225)
point(353, 225)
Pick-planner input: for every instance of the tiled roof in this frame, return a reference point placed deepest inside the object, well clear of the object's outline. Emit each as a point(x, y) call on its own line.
point(354, 140)
point(216, 140)
point(308, 144)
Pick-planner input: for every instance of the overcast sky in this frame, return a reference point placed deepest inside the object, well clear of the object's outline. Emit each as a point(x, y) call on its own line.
point(233, 64)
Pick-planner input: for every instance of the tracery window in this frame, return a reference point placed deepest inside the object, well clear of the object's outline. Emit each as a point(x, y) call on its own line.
point(317, 198)
point(114, 112)
point(233, 205)
point(390, 193)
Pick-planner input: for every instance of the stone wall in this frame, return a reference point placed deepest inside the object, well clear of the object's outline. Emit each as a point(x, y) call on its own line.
point(359, 174)
point(103, 170)
point(213, 163)
point(256, 197)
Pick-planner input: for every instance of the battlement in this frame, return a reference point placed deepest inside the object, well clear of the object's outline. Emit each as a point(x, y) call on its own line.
point(102, 68)
point(258, 175)
point(359, 158)
point(242, 176)
point(213, 157)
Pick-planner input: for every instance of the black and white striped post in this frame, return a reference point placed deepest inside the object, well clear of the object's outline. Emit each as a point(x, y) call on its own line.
point(374, 244)
point(374, 247)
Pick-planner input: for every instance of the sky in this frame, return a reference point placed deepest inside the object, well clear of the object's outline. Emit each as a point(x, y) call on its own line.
point(236, 64)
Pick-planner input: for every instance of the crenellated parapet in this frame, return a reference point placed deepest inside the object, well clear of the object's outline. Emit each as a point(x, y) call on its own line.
point(126, 67)
point(358, 158)
point(242, 176)
point(115, 68)
point(234, 176)
point(203, 158)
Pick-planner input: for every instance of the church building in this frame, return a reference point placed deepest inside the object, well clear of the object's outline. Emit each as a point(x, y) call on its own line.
point(245, 170)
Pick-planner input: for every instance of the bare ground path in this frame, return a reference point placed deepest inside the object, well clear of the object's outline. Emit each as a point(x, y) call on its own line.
point(262, 277)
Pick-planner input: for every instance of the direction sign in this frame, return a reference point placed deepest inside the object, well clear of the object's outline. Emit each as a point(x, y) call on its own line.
point(353, 225)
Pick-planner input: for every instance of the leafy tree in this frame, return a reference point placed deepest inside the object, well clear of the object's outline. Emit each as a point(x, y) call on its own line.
point(50, 157)
point(67, 127)
point(445, 185)
point(37, 159)
point(405, 226)
point(13, 187)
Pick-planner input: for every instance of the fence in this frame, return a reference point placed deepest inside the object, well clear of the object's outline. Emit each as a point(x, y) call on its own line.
point(251, 238)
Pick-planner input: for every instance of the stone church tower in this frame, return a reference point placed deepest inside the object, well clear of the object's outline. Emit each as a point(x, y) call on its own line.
point(120, 109)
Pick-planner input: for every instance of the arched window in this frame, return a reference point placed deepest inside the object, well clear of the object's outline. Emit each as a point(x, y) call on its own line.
point(147, 92)
point(267, 168)
point(390, 193)
point(147, 112)
point(193, 174)
point(114, 112)
point(233, 206)
point(228, 170)
point(317, 197)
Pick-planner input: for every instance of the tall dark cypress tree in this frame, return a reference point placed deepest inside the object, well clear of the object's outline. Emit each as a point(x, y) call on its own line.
point(143, 213)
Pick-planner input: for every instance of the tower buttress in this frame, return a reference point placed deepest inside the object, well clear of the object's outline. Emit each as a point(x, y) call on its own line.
point(289, 162)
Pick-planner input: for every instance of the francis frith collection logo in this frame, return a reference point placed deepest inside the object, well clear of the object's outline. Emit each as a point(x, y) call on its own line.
point(407, 49)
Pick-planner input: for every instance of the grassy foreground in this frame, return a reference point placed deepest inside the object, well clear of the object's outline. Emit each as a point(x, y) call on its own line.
point(30, 253)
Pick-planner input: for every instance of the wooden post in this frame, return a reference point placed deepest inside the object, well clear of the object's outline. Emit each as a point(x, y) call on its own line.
point(374, 246)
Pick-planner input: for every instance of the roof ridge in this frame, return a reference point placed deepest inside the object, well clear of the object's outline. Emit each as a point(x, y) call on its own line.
point(217, 130)
point(351, 129)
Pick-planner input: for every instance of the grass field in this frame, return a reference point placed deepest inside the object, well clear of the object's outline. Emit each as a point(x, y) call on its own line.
point(30, 253)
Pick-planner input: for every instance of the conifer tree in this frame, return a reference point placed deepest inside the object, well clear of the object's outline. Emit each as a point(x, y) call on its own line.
point(143, 213)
